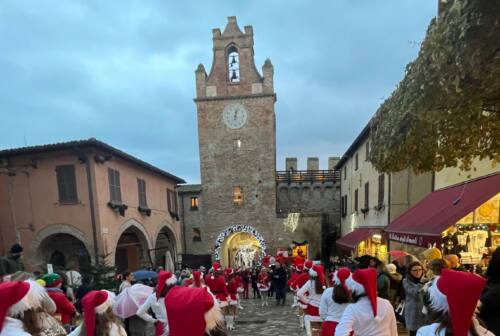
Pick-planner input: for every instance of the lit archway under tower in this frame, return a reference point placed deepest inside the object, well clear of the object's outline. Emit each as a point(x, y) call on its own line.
point(239, 245)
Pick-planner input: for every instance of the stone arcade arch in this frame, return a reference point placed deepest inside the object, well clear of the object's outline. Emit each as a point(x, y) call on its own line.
point(132, 247)
point(62, 245)
point(165, 250)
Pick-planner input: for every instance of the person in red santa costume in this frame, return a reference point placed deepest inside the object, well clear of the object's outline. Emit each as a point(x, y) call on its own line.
point(300, 281)
point(192, 312)
point(454, 297)
point(198, 281)
point(293, 277)
point(369, 315)
point(311, 293)
point(65, 308)
point(334, 301)
point(98, 317)
point(232, 288)
point(263, 284)
point(155, 302)
point(217, 284)
point(239, 282)
point(20, 302)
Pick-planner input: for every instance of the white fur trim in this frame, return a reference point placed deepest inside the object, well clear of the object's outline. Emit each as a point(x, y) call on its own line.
point(439, 302)
point(32, 299)
point(336, 279)
point(354, 286)
point(313, 273)
point(222, 304)
point(103, 307)
point(171, 281)
point(233, 302)
point(213, 317)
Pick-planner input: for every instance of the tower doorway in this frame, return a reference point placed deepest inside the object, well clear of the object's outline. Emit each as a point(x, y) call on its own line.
point(241, 250)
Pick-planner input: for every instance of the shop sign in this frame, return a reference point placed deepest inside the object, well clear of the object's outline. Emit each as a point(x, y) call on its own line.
point(407, 238)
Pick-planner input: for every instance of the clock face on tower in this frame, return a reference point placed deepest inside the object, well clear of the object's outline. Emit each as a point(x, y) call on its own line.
point(235, 116)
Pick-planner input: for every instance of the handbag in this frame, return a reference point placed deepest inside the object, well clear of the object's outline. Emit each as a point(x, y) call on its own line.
point(399, 311)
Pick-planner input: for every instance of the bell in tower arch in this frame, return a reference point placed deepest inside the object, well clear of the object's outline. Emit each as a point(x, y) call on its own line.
point(234, 76)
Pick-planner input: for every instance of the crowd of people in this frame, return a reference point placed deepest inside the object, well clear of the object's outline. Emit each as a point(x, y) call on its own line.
point(362, 296)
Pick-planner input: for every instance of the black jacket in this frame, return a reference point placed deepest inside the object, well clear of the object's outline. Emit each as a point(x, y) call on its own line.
point(490, 308)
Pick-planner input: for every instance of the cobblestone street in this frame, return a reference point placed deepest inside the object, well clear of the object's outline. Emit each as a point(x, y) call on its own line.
point(256, 320)
point(271, 320)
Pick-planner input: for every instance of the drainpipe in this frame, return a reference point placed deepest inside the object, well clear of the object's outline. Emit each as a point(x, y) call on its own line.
point(183, 224)
point(83, 157)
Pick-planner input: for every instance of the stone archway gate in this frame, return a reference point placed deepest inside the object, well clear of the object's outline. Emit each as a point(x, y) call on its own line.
point(237, 229)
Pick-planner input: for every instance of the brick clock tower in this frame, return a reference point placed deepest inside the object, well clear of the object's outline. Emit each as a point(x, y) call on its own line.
point(237, 139)
point(232, 216)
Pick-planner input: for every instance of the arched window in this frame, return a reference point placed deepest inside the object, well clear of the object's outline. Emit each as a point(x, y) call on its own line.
point(233, 62)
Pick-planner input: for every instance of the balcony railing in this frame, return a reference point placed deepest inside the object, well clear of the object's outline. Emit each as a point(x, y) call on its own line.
point(311, 176)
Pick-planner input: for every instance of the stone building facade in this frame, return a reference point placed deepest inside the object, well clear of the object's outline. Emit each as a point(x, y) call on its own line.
point(70, 203)
point(370, 200)
point(237, 201)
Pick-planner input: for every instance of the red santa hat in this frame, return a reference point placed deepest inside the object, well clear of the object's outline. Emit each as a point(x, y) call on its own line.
point(364, 281)
point(215, 268)
point(197, 278)
point(191, 311)
point(308, 264)
point(300, 267)
point(228, 271)
point(457, 293)
point(340, 277)
point(266, 261)
point(164, 278)
point(18, 297)
point(95, 302)
point(318, 271)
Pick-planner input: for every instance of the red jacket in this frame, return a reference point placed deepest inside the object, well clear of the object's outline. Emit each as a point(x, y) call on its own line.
point(300, 280)
point(64, 306)
point(218, 287)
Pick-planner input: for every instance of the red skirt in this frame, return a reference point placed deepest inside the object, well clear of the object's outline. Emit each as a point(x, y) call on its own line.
point(328, 328)
point(312, 310)
point(158, 329)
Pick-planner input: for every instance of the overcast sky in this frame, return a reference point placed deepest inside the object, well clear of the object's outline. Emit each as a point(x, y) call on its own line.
point(123, 71)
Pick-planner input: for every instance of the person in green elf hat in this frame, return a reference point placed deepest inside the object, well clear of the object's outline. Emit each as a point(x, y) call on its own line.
point(65, 308)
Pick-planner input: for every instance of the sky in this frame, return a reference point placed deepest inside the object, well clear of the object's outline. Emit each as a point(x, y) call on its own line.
point(123, 71)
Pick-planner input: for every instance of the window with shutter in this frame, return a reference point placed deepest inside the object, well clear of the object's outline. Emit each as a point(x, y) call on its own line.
point(141, 186)
point(115, 194)
point(172, 203)
point(356, 200)
point(381, 182)
point(66, 184)
point(367, 150)
point(356, 162)
point(367, 195)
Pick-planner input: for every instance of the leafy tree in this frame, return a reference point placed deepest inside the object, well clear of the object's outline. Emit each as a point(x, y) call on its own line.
point(446, 110)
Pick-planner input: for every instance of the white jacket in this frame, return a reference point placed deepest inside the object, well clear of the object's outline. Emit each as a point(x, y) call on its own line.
point(430, 330)
point(307, 293)
point(13, 327)
point(358, 317)
point(329, 310)
point(158, 308)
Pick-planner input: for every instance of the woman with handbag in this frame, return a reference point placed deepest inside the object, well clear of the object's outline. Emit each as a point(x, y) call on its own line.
point(413, 286)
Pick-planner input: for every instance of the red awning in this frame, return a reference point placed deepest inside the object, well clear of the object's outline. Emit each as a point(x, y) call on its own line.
point(424, 222)
point(352, 239)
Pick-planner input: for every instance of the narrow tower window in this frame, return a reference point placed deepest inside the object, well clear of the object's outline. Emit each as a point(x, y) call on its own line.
point(233, 62)
point(237, 196)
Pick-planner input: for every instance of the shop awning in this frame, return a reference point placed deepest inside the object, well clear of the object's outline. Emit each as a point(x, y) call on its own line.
point(352, 239)
point(424, 222)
